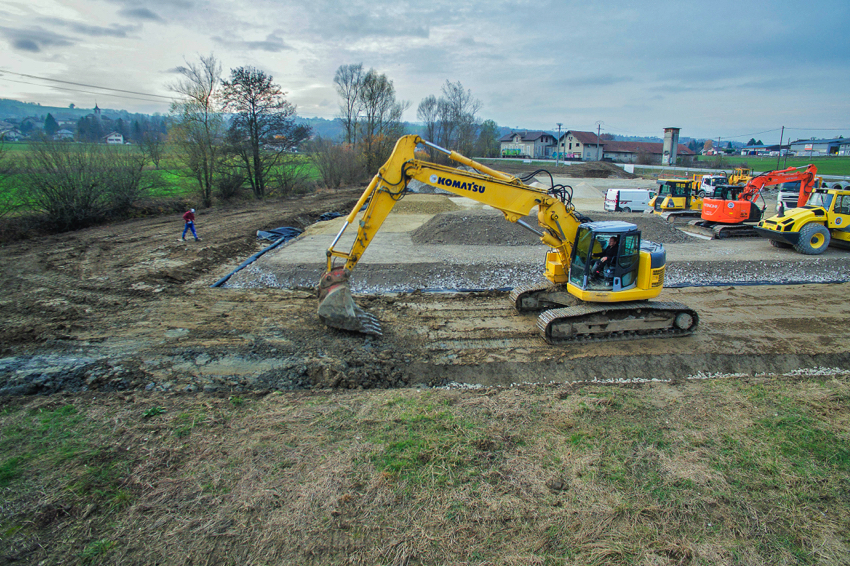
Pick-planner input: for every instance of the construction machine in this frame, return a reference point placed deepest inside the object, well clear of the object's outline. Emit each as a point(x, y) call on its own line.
point(582, 300)
point(740, 176)
point(810, 229)
point(734, 212)
point(676, 198)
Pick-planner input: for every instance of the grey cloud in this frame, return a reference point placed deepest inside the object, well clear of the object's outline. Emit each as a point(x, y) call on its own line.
point(34, 39)
point(93, 31)
point(140, 14)
point(273, 44)
point(26, 45)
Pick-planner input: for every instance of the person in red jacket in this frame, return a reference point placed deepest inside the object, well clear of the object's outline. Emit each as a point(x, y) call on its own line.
point(189, 219)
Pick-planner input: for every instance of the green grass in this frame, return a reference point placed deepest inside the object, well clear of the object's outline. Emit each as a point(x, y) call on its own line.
point(826, 165)
point(698, 473)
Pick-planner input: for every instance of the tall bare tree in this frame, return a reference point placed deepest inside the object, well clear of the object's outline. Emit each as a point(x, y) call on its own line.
point(264, 127)
point(200, 127)
point(487, 144)
point(381, 122)
point(349, 81)
point(428, 113)
point(8, 198)
point(459, 117)
point(152, 144)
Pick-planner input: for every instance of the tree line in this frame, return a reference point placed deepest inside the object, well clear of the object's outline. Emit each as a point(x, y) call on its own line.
point(232, 133)
point(371, 119)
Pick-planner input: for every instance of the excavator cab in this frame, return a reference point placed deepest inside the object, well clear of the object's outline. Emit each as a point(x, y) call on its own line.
point(594, 268)
point(673, 194)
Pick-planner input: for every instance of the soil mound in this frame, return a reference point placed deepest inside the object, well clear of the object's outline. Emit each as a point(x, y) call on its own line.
point(593, 169)
point(475, 228)
point(488, 228)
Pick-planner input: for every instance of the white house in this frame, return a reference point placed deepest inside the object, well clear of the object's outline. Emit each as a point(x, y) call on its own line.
point(535, 145)
point(115, 138)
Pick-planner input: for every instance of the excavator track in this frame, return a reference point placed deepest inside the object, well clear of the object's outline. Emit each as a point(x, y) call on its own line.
point(533, 297)
point(719, 231)
point(566, 319)
point(600, 322)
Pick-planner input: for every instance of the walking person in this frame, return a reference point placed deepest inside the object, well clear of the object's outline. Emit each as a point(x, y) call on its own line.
point(189, 219)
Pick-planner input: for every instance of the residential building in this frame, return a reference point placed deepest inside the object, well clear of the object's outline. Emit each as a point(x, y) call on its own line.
point(529, 145)
point(63, 134)
point(584, 146)
point(114, 138)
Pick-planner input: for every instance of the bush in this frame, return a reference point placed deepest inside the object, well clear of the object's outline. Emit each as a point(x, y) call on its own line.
point(77, 185)
point(230, 185)
point(338, 164)
point(290, 177)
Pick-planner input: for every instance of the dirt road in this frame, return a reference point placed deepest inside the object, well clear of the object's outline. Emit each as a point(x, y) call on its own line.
point(128, 306)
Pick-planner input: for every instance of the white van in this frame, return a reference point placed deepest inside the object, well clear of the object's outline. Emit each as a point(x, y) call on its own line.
point(628, 200)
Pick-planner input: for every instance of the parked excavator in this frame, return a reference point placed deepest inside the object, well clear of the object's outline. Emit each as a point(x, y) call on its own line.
point(733, 212)
point(676, 198)
point(588, 296)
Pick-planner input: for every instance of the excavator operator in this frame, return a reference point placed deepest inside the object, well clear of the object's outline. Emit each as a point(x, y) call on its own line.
point(607, 257)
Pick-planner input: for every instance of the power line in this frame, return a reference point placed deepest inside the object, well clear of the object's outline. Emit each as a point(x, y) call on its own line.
point(85, 85)
point(82, 91)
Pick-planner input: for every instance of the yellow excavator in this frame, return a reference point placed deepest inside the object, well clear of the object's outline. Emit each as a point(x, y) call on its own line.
point(600, 274)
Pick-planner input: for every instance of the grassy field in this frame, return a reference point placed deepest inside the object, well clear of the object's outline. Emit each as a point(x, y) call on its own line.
point(171, 180)
point(746, 471)
point(826, 165)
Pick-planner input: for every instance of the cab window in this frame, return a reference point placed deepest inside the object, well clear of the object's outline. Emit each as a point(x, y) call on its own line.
point(820, 199)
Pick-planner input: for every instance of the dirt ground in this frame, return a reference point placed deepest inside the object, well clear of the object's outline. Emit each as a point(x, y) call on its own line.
point(129, 306)
point(146, 417)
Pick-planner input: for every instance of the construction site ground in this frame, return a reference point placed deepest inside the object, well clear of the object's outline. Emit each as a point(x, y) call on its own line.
point(129, 305)
point(123, 318)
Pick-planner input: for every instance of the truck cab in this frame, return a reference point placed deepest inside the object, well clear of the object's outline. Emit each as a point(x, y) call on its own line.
point(789, 193)
point(709, 183)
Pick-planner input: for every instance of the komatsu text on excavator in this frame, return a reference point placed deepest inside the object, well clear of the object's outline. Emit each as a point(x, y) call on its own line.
point(600, 274)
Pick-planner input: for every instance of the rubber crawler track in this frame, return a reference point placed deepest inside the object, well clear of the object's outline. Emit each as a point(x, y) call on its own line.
point(588, 311)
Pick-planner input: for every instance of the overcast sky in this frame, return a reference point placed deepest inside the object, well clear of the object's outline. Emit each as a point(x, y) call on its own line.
point(720, 68)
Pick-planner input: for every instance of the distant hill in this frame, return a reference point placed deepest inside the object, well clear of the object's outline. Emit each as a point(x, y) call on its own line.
point(19, 110)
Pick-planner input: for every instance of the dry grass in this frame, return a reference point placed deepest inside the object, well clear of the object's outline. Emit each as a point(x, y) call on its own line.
point(719, 472)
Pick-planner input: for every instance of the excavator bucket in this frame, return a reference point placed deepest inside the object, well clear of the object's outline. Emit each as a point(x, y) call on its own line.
point(337, 307)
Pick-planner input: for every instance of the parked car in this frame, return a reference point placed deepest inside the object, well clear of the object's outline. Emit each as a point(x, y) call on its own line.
point(628, 200)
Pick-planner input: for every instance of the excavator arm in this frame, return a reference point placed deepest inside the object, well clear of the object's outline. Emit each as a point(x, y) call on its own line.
point(806, 177)
point(556, 219)
point(503, 192)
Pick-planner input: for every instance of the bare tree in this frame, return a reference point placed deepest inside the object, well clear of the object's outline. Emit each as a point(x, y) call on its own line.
point(152, 144)
point(381, 123)
point(8, 198)
point(428, 113)
point(349, 81)
point(487, 144)
point(199, 132)
point(264, 127)
point(459, 117)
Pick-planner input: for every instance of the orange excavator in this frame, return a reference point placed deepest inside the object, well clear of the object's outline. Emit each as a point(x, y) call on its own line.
point(733, 211)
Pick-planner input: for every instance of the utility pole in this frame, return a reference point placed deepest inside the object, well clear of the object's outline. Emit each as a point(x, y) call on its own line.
point(778, 157)
point(558, 145)
point(598, 128)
